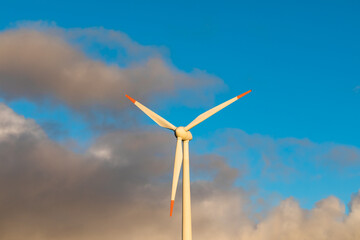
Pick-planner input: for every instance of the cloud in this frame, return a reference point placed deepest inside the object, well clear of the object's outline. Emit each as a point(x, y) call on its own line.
point(279, 157)
point(215, 166)
point(13, 125)
point(120, 188)
point(50, 192)
point(326, 221)
point(357, 89)
point(40, 61)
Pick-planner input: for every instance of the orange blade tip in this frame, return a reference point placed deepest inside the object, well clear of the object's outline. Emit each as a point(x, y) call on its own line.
point(171, 207)
point(243, 94)
point(130, 98)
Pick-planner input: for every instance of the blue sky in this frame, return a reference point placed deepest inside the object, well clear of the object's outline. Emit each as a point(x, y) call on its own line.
point(301, 58)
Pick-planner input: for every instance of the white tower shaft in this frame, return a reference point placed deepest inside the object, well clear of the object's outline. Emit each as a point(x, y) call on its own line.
point(186, 208)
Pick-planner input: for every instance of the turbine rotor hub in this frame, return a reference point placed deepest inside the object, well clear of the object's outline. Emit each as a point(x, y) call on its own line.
point(183, 134)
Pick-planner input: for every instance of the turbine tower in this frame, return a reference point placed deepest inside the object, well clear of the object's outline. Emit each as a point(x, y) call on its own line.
point(183, 135)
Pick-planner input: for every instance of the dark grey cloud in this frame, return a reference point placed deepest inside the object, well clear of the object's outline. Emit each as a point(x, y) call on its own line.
point(40, 61)
point(119, 188)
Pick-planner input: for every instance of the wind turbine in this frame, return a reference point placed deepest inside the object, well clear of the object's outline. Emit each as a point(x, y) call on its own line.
point(183, 135)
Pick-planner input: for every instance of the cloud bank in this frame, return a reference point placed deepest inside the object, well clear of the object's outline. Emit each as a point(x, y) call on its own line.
point(119, 189)
point(48, 191)
point(282, 153)
point(40, 61)
point(326, 221)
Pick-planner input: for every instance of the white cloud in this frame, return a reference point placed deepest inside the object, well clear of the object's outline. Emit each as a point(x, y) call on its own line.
point(101, 153)
point(326, 221)
point(12, 124)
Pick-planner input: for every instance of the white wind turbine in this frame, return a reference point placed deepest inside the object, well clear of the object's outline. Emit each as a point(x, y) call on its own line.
point(183, 135)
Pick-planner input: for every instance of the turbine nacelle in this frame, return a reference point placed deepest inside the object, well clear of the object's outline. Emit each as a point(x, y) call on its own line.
point(180, 132)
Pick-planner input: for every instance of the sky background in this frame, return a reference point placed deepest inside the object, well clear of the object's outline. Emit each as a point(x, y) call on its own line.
point(65, 66)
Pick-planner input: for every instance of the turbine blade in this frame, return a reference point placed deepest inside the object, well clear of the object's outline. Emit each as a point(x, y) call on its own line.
point(177, 168)
point(212, 111)
point(155, 117)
